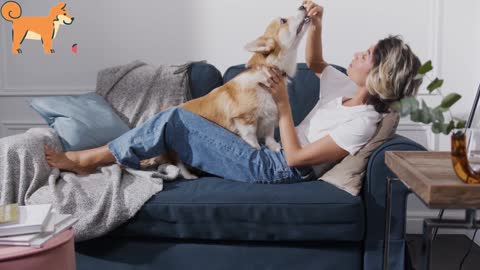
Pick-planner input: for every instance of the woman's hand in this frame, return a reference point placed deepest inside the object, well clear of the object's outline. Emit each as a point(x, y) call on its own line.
point(278, 88)
point(314, 11)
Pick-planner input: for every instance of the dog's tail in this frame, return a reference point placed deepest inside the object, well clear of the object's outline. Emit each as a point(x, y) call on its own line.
point(11, 11)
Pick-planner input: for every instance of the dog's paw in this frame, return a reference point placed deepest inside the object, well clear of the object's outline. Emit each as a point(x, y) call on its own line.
point(148, 163)
point(187, 175)
point(17, 51)
point(255, 145)
point(52, 51)
point(273, 145)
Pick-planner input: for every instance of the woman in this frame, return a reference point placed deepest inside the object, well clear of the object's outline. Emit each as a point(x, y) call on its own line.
point(336, 127)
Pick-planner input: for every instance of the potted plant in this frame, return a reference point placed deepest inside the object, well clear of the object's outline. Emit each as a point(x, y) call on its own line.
point(439, 124)
point(425, 114)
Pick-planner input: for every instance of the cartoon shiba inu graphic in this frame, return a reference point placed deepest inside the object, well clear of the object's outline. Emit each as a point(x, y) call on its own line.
point(44, 28)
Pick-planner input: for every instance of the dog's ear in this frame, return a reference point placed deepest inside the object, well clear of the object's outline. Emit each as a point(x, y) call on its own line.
point(261, 45)
point(61, 5)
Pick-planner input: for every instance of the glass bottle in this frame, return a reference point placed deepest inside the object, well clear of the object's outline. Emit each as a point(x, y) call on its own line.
point(464, 154)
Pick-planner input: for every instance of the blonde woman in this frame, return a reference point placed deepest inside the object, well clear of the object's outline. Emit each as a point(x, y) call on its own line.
point(343, 120)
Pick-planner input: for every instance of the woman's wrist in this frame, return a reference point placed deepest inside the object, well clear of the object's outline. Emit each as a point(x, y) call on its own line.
point(316, 25)
point(284, 109)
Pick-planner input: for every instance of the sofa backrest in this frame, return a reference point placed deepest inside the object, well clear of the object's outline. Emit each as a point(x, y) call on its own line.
point(303, 90)
point(203, 77)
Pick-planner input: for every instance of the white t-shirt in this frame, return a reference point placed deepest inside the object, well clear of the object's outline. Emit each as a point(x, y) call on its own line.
point(350, 127)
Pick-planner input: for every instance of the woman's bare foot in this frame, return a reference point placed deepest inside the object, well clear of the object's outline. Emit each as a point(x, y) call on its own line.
point(68, 161)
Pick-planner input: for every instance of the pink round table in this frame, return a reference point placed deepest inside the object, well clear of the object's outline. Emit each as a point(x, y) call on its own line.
point(57, 253)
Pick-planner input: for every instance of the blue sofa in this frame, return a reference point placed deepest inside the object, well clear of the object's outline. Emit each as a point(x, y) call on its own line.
point(212, 223)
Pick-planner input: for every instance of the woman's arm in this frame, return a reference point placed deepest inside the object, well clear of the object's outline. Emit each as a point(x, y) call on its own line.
point(314, 50)
point(323, 150)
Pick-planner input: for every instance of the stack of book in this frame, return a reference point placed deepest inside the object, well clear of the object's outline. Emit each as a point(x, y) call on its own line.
point(31, 225)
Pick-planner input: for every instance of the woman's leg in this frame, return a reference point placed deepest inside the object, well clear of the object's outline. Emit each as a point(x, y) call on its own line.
point(201, 144)
point(86, 161)
point(82, 162)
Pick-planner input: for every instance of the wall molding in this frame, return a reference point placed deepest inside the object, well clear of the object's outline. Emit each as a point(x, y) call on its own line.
point(433, 140)
point(35, 92)
point(9, 127)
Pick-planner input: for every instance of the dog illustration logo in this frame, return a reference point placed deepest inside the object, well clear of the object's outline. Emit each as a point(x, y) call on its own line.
point(44, 28)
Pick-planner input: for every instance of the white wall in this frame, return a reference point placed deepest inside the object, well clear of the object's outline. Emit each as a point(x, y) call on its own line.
point(113, 32)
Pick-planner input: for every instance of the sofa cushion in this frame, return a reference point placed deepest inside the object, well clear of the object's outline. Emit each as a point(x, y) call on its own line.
point(80, 121)
point(219, 209)
point(349, 173)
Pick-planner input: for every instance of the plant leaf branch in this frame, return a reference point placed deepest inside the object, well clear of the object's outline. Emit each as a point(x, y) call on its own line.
point(423, 113)
point(439, 90)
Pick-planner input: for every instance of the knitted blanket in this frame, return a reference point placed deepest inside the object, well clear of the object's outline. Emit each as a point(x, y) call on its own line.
point(110, 196)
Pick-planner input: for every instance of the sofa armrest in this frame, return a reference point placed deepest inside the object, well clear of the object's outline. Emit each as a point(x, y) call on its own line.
point(374, 194)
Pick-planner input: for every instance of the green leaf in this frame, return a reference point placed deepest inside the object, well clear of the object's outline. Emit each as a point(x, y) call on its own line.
point(461, 124)
point(413, 102)
point(437, 127)
point(425, 68)
point(437, 83)
point(437, 115)
point(397, 106)
point(442, 109)
point(448, 128)
point(425, 114)
point(405, 107)
point(449, 100)
point(415, 116)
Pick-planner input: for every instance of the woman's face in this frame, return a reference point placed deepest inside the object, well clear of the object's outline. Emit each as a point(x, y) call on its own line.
point(360, 66)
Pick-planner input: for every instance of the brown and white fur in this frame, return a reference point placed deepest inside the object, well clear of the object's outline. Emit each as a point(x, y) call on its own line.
point(241, 105)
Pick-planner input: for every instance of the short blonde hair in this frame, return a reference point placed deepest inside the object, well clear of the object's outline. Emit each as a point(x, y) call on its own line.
point(394, 71)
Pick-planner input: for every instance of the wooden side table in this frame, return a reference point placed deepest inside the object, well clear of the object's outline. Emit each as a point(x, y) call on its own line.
point(431, 177)
point(57, 253)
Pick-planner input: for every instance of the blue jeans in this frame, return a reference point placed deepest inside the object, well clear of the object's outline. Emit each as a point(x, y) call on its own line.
point(205, 145)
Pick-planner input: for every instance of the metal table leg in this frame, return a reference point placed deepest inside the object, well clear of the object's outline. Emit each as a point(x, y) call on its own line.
point(435, 230)
point(427, 243)
point(431, 224)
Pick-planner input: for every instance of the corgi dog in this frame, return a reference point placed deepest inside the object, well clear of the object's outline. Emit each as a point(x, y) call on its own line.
point(37, 28)
point(241, 105)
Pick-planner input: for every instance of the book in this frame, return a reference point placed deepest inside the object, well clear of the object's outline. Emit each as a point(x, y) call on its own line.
point(24, 239)
point(31, 219)
point(8, 214)
point(67, 224)
point(59, 223)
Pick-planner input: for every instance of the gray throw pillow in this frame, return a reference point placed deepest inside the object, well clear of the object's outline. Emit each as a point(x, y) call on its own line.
point(81, 121)
point(137, 91)
point(348, 174)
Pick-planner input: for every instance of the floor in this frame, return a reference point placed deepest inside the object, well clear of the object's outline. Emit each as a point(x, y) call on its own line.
point(447, 252)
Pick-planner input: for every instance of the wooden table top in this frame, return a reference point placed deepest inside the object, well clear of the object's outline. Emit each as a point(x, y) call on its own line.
point(430, 175)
